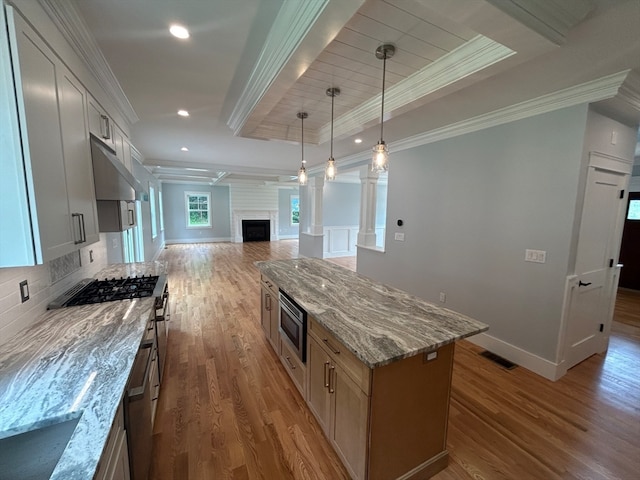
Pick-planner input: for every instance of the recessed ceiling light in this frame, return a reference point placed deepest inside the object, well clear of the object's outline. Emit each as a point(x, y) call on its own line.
point(358, 140)
point(179, 31)
point(183, 113)
point(197, 169)
point(184, 149)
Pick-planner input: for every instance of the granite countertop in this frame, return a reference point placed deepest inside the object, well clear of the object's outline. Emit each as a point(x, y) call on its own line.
point(377, 323)
point(74, 363)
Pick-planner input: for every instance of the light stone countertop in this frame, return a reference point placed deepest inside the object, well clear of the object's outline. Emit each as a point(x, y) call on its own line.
point(377, 323)
point(74, 362)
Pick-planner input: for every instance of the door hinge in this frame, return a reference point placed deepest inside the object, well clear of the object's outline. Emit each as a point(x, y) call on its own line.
point(602, 327)
point(611, 263)
point(621, 193)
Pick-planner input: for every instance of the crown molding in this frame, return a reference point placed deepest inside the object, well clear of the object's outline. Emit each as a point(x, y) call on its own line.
point(593, 91)
point(73, 28)
point(630, 90)
point(291, 25)
point(473, 56)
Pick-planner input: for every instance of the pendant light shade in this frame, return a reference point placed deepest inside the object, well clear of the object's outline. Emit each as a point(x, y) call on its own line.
point(380, 161)
point(302, 173)
point(330, 172)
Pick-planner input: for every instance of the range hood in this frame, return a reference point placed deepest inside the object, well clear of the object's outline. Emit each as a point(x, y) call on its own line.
point(112, 179)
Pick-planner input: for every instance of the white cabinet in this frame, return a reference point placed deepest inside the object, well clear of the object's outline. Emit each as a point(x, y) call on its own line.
point(122, 147)
point(114, 463)
point(100, 124)
point(269, 312)
point(54, 212)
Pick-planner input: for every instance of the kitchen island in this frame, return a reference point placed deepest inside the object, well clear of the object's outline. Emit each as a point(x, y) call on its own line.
point(73, 365)
point(377, 374)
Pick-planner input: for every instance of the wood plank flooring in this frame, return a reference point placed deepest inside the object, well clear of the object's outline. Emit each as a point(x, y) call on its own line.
point(227, 409)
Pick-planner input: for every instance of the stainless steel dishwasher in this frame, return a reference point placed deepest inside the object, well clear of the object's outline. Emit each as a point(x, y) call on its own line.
point(138, 407)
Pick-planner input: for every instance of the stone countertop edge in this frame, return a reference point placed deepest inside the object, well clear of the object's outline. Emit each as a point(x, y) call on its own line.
point(377, 323)
point(72, 363)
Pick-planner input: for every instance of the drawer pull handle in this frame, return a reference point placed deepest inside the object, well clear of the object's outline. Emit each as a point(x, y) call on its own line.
point(293, 367)
point(331, 347)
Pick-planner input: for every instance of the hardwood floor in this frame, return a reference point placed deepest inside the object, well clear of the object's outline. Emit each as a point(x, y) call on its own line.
point(228, 410)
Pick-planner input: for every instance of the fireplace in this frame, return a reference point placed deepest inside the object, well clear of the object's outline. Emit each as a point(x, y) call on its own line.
point(256, 230)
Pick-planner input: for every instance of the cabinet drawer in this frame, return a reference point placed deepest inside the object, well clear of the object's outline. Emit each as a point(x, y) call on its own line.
point(295, 368)
point(269, 284)
point(357, 370)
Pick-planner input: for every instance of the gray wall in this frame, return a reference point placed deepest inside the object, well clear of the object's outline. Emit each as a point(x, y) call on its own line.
point(341, 204)
point(175, 222)
point(471, 205)
point(284, 223)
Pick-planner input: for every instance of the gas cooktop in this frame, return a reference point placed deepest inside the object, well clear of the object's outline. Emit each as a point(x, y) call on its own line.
point(90, 291)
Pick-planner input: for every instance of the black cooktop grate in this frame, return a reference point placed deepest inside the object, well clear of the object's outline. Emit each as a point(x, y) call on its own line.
point(115, 289)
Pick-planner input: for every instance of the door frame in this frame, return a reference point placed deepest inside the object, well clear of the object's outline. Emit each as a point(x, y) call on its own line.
point(598, 161)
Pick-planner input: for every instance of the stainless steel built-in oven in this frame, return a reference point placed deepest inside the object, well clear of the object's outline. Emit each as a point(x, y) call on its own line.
point(293, 325)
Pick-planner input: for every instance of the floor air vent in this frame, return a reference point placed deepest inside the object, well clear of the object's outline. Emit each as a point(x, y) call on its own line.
point(503, 362)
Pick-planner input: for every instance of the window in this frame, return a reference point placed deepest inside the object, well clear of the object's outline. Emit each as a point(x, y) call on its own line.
point(161, 211)
point(152, 204)
point(295, 209)
point(198, 208)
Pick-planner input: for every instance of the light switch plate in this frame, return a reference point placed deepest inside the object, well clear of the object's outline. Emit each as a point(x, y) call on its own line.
point(399, 237)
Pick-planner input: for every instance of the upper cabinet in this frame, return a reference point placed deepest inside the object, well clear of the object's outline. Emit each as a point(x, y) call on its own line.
point(50, 209)
point(100, 124)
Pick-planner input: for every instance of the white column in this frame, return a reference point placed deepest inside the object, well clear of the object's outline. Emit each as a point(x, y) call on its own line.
point(315, 185)
point(369, 183)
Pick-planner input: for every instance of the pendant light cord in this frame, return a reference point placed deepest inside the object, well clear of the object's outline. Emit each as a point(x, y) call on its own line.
point(302, 137)
point(333, 96)
point(384, 70)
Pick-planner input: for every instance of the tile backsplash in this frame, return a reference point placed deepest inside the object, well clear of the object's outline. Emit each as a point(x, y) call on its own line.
point(46, 282)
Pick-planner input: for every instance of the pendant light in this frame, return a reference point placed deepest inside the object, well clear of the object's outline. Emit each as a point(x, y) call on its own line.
point(380, 151)
point(330, 171)
point(302, 173)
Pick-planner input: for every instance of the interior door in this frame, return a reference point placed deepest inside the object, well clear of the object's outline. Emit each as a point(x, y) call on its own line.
point(597, 247)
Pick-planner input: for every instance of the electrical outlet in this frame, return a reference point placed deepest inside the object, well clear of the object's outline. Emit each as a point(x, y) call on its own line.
point(24, 291)
point(443, 297)
point(399, 237)
point(536, 256)
point(114, 243)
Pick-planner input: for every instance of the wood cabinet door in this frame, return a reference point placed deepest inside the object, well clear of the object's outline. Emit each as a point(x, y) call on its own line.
point(318, 371)
point(349, 421)
point(77, 159)
point(274, 331)
point(266, 302)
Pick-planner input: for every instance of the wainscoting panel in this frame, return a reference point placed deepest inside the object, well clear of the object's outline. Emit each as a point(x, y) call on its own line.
point(340, 241)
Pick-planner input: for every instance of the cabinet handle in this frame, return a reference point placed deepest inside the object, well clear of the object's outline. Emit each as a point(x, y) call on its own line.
point(83, 231)
point(80, 228)
point(332, 379)
point(104, 127)
point(293, 367)
point(268, 302)
point(326, 375)
point(331, 347)
point(131, 217)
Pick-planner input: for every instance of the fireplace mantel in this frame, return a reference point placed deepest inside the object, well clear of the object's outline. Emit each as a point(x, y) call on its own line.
point(238, 215)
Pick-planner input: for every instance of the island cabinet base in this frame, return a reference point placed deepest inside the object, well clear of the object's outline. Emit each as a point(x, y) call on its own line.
point(409, 416)
point(384, 423)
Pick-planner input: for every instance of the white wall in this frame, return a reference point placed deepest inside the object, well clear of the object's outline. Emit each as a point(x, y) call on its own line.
point(253, 197)
point(471, 205)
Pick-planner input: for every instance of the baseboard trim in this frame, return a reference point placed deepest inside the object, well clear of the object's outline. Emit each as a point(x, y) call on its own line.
point(545, 368)
point(197, 240)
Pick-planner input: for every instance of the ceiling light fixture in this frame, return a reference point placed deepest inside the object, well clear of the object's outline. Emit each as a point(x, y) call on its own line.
point(330, 171)
point(183, 113)
point(302, 173)
point(179, 31)
point(184, 149)
point(380, 151)
point(358, 140)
